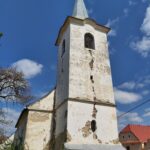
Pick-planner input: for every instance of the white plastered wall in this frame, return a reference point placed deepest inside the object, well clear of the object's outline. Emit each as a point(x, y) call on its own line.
point(38, 127)
point(63, 69)
point(80, 85)
point(81, 113)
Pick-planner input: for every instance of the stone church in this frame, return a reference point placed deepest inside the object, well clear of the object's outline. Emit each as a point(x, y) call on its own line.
point(80, 113)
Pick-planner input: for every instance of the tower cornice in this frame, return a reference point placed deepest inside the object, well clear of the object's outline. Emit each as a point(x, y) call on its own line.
point(81, 22)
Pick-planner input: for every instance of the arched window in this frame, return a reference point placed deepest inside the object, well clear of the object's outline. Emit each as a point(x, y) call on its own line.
point(63, 48)
point(89, 41)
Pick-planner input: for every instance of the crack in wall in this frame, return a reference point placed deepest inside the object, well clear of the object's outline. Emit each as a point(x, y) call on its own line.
point(94, 136)
point(91, 64)
point(116, 141)
point(94, 113)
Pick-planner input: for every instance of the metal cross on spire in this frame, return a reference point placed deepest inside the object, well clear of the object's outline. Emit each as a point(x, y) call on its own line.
point(80, 10)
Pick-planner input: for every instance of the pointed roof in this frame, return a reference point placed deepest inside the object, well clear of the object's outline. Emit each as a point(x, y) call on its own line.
point(140, 131)
point(80, 10)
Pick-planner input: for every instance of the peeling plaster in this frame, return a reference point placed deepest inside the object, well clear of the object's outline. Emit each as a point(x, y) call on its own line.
point(69, 138)
point(39, 117)
point(87, 129)
point(94, 136)
point(116, 141)
point(94, 112)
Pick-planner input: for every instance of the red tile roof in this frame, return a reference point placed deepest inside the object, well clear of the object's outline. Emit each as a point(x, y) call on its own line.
point(140, 131)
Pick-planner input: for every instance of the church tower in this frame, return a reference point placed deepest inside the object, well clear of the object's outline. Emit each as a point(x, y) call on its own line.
point(85, 110)
point(80, 113)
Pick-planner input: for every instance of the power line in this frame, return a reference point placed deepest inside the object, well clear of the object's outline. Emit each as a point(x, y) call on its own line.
point(130, 110)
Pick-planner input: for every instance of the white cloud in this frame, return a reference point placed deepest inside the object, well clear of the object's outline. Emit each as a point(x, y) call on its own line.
point(125, 97)
point(143, 46)
point(111, 24)
point(131, 85)
point(112, 32)
point(134, 117)
point(147, 112)
point(128, 85)
point(129, 118)
point(28, 67)
point(141, 84)
point(146, 23)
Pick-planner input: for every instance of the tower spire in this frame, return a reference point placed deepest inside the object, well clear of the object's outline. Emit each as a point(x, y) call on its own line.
point(80, 10)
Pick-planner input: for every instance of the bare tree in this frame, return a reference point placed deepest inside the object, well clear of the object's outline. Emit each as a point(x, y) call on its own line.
point(13, 86)
point(3, 122)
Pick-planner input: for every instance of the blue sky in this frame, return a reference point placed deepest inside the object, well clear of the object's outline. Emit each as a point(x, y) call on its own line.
point(31, 27)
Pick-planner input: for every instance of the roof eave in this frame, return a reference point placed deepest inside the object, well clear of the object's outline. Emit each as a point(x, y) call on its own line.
point(70, 19)
point(23, 111)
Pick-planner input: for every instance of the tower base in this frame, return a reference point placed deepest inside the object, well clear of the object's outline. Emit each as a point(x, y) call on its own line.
point(93, 147)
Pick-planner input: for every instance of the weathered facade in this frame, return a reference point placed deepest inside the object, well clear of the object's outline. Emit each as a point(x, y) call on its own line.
point(35, 125)
point(81, 110)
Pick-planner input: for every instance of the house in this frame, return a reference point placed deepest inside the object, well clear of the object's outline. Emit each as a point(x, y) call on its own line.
point(135, 137)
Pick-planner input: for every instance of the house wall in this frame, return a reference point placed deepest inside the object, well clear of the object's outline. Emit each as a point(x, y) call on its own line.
point(147, 147)
point(38, 132)
point(125, 137)
point(38, 124)
point(46, 103)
